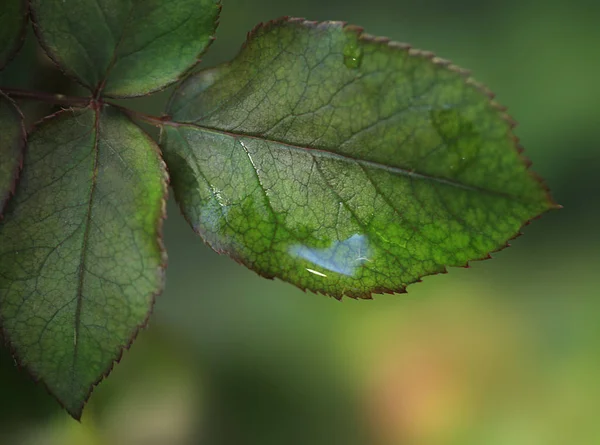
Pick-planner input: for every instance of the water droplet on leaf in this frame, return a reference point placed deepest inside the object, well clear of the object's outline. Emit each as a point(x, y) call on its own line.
point(342, 257)
point(316, 272)
point(353, 55)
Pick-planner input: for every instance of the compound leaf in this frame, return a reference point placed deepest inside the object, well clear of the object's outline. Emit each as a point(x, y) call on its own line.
point(80, 251)
point(13, 21)
point(125, 47)
point(343, 163)
point(12, 143)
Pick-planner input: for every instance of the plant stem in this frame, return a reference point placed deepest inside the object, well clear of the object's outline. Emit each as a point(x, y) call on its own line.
point(153, 120)
point(57, 99)
point(79, 101)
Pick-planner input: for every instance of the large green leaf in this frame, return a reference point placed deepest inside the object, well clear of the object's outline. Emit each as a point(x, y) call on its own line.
point(80, 251)
point(13, 18)
point(12, 142)
point(343, 163)
point(125, 47)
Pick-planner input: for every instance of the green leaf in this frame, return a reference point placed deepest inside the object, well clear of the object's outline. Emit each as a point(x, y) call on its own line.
point(343, 163)
point(12, 143)
point(125, 47)
point(13, 21)
point(81, 256)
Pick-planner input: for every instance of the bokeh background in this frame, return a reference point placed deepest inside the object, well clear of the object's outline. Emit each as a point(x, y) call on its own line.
point(504, 353)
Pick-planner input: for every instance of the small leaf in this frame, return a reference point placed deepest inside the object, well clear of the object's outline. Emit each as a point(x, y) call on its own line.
point(80, 251)
point(343, 163)
point(13, 21)
point(125, 47)
point(12, 143)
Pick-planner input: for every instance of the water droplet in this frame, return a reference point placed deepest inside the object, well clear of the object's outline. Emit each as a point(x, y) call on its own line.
point(316, 272)
point(353, 54)
point(343, 257)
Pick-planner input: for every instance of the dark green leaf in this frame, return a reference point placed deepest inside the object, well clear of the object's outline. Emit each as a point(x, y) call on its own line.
point(13, 18)
point(80, 251)
point(344, 163)
point(12, 142)
point(125, 47)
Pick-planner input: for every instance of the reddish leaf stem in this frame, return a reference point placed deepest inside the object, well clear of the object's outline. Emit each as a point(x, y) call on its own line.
point(148, 118)
point(57, 99)
point(79, 101)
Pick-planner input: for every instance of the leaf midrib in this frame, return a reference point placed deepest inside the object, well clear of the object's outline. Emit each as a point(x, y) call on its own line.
point(345, 158)
point(84, 247)
point(102, 83)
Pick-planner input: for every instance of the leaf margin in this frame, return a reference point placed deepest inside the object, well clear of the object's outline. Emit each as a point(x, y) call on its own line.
point(22, 148)
point(21, 37)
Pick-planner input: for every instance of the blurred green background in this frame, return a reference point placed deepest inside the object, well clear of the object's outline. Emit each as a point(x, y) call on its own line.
point(504, 353)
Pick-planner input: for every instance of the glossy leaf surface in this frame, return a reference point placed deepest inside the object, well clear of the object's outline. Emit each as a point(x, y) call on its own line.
point(81, 257)
point(343, 163)
point(12, 142)
point(13, 19)
point(125, 47)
